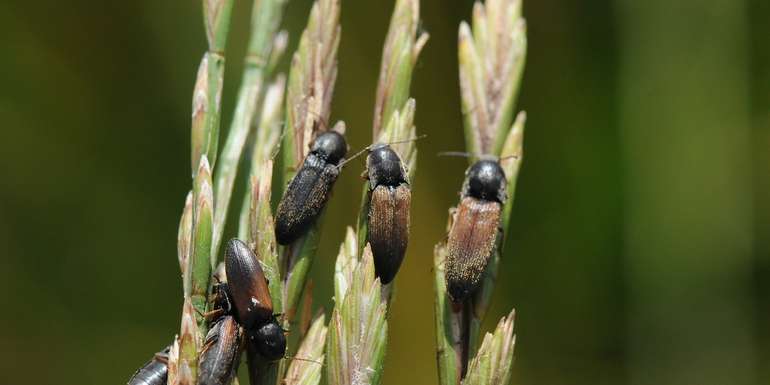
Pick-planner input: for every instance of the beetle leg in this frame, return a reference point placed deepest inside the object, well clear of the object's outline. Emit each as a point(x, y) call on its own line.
point(161, 357)
point(210, 315)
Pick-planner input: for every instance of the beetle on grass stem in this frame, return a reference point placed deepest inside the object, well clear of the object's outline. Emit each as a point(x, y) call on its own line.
point(307, 193)
point(251, 299)
point(476, 228)
point(221, 352)
point(388, 218)
point(388, 201)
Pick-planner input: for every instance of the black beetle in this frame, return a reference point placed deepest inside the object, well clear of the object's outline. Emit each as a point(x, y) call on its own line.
point(475, 231)
point(388, 218)
point(154, 372)
point(251, 300)
point(307, 193)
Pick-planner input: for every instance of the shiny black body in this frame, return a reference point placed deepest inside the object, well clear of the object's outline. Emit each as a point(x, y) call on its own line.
point(307, 193)
point(250, 296)
point(247, 285)
point(222, 302)
point(475, 231)
point(269, 339)
point(154, 372)
point(388, 217)
point(485, 180)
point(384, 167)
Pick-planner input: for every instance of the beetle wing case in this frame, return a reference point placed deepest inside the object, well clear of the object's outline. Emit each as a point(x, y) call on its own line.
point(304, 199)
point(247, 284)
point(221, 352)
point(472, 240)
point(389, 228)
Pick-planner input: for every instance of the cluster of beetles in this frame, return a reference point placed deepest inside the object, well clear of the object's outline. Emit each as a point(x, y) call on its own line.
point(242, 308)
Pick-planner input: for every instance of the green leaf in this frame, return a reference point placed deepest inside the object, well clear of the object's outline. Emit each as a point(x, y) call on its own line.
point(184, 242)
point(399, 54)
point(190, 341)
point(305, 368)
point(492, 365)
point(265, 145)
point(201, 260)
point(491, 58)
point(358, 329)
point(206, 108)
point(448, 326)
point(173, 363)
point(216, 18)
point(474, 99)
point(511, 156)
point(266, 18)
point(347, 261)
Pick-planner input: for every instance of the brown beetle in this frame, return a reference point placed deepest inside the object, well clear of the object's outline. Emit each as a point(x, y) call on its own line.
point(221, 352)
point(476, 228)
point(251, 300)
point(223, 345)
point(388, 218)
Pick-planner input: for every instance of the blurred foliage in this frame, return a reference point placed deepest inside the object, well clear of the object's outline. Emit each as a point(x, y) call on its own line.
point(95, 112)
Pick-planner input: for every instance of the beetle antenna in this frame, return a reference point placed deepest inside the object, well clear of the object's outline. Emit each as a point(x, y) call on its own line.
point(303, 359)
point(509, 157)
point(369, 147)
point(468, 155)
point(356, 155)
point(418, 137)
point(455, 153)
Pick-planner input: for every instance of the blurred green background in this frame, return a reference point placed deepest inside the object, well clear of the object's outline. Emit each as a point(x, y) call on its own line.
point(641, 224)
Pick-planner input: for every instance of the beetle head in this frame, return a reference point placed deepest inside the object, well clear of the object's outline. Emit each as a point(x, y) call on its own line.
point(270, 340)
point(331, 146)
point(384, 166)
point(485, 180)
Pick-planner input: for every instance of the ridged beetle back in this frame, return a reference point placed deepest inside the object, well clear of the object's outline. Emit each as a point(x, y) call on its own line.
point(475, 230)
point(248, 286)
point(221, 352)
point(307, 193)
point(389, 202)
